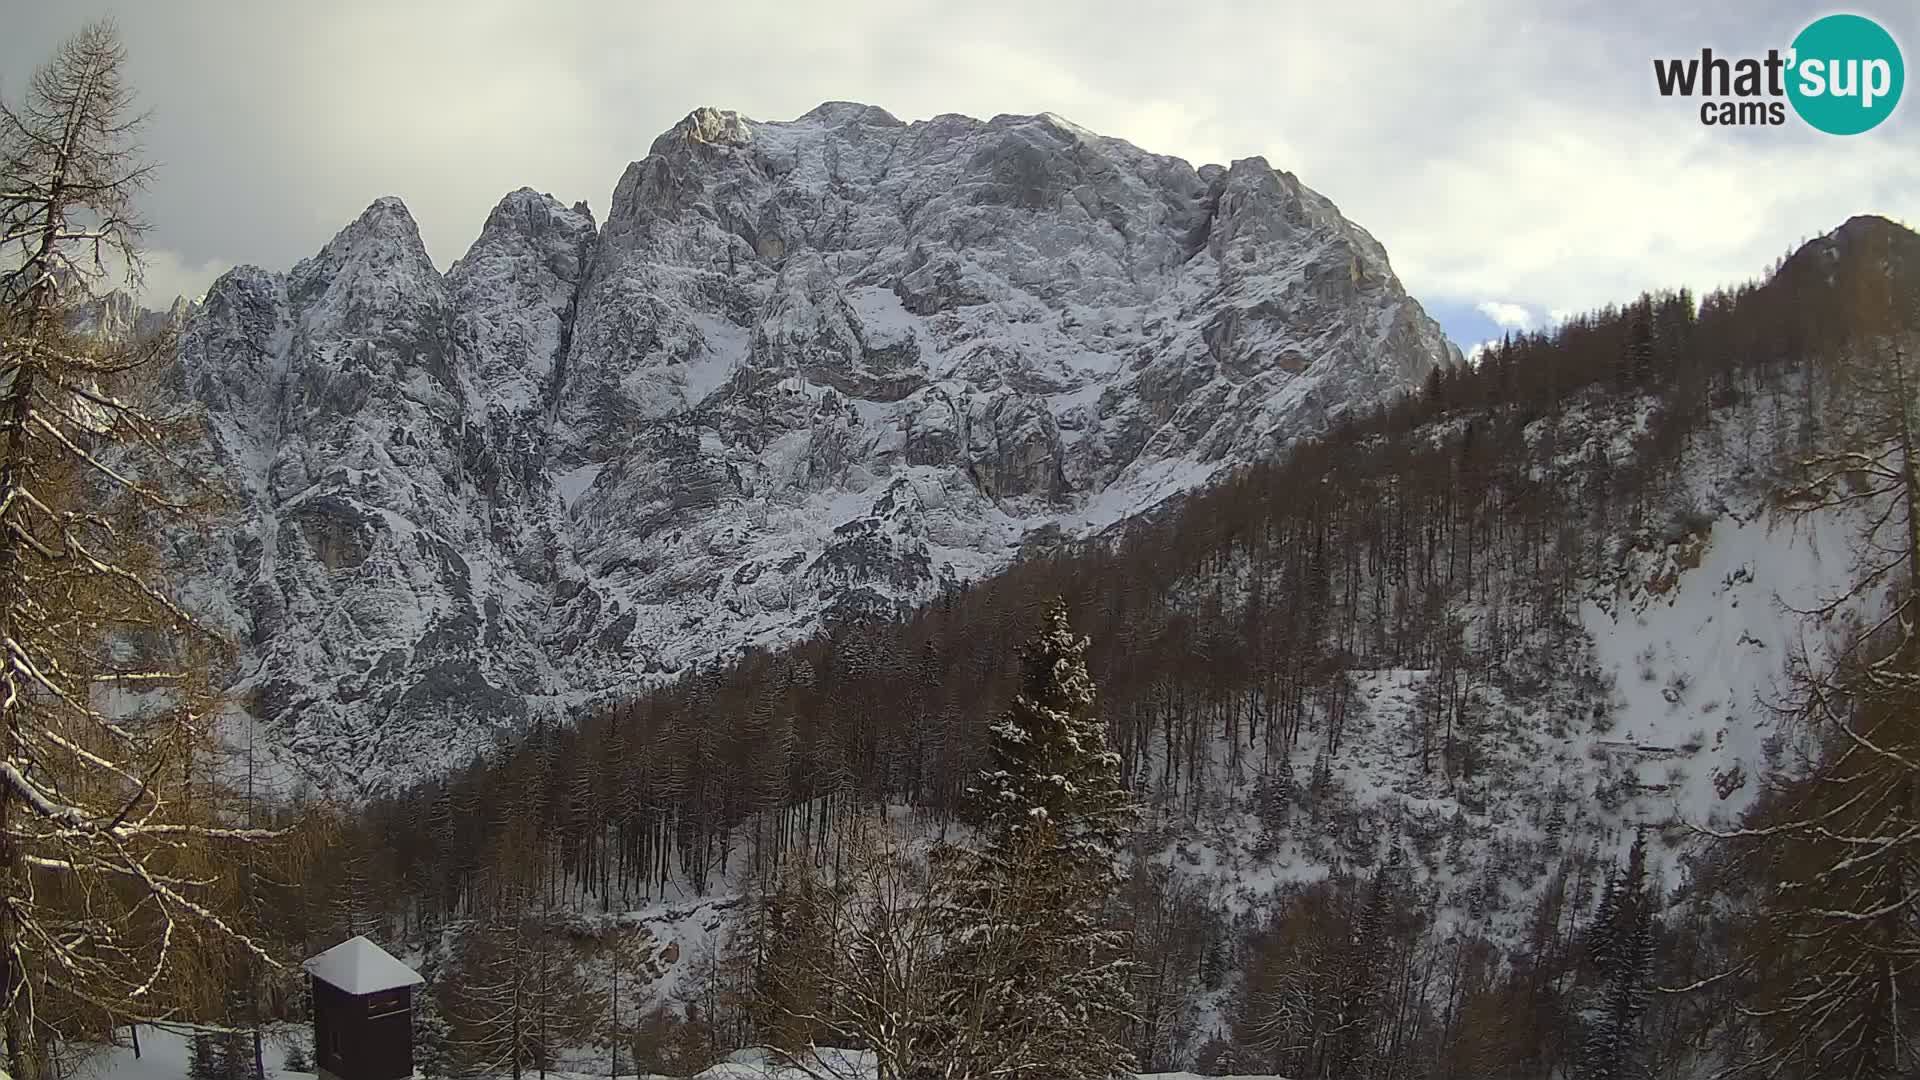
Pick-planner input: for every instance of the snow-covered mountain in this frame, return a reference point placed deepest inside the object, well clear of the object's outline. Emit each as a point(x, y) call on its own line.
point(804, 369)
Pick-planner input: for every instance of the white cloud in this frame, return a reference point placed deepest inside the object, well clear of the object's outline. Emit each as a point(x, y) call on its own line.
point(1506, 315)
point(165, 275)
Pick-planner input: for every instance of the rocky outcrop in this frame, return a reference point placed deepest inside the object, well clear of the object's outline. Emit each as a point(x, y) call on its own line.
point(805, 370)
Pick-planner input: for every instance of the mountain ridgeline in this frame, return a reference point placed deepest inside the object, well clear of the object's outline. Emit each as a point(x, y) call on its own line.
point(1384, 700)
point(808, 370)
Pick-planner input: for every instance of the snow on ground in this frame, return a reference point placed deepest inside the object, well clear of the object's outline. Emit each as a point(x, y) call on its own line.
point(1661, 712)
point(163, 1055)
point(1696, 639)
point(844, 1065)
point(1197, 1076)
point(828, 1064)
point(1140, 489)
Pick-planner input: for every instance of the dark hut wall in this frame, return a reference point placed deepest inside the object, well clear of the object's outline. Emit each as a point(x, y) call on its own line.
point(363, 1037)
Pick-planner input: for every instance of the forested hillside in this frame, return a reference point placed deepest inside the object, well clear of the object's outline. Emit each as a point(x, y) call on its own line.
point(1427, 792)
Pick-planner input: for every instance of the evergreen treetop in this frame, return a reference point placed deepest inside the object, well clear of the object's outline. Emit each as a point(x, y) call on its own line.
point(1053, 781)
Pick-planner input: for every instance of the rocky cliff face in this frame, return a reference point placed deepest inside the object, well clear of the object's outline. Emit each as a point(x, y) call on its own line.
point(804, 369)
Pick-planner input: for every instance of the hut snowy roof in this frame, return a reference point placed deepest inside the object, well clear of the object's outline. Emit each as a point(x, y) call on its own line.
point(358, 966)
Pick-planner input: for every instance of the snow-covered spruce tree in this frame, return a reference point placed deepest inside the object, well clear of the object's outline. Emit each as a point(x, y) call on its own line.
point(201, 1059)
point(1288, 1008)
point(1037, 985)
point(433, 1057)
point(114, 910)
point(1620, 945)
point(222, 1056)
point(1362, 973)
point(233, 1057)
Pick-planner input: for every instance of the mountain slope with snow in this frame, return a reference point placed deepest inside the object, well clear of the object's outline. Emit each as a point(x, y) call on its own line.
point(805, 369)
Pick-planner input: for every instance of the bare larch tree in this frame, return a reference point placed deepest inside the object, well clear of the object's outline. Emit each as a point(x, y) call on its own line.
point(1828, 971)
point(113, 907)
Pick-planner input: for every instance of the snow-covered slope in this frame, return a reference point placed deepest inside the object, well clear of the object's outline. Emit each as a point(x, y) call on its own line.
point(1664, 704)
point(1697, 649)
point(804, 368)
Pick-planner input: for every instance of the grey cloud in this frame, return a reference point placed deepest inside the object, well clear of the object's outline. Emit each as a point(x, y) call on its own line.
point(1499, 151)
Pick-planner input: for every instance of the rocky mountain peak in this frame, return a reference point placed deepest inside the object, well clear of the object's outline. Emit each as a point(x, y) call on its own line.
point(384, 233)
point(704, 126)
point(374, 283)
point(839, 113)
point(528, 213)
point(513, 297)
point(805, 370)
point(117, 314)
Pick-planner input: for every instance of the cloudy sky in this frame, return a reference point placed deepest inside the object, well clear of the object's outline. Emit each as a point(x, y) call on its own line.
point(1515, 163)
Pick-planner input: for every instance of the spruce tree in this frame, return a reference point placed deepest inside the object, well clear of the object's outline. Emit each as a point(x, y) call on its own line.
point(201, 1059)
point(1362, 975)
point(1620, 944)
point(433, 1054)
point(1039, 987)
point(233, 1057)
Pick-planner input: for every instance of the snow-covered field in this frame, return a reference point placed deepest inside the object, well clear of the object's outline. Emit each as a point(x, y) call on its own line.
point(163, 1055)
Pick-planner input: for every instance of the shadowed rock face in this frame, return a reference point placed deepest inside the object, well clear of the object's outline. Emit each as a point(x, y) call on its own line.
point(804, 370)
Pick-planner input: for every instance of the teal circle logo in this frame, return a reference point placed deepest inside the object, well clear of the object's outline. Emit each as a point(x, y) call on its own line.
point(1846, 74)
